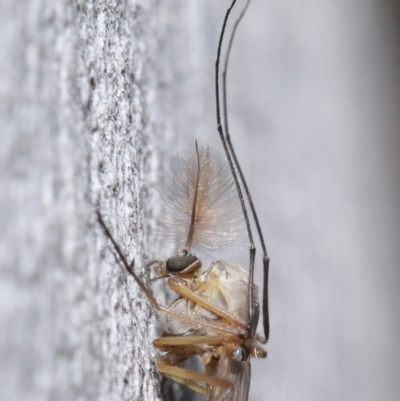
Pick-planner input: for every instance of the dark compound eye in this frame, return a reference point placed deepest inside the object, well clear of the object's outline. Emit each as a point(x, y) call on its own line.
point(183, 263)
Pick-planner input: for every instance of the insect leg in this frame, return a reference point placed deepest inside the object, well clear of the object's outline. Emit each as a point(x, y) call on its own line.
point(243, 181)
point(265, 297)
point(237, 372)
point(147, 292)
point(250, 298)
point(241, 175)
point(179, 287)
point(168, 341)
point(197, 381)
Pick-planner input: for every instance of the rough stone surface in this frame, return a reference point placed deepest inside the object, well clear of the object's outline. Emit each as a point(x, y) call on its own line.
point(77, 78)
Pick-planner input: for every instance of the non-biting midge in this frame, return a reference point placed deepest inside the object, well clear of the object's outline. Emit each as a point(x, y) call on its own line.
point(217, 310)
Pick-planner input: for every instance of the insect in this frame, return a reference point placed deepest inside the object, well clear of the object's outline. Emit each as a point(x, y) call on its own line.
point(217, 310)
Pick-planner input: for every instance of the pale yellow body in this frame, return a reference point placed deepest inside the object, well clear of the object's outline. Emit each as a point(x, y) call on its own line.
point(224, 284)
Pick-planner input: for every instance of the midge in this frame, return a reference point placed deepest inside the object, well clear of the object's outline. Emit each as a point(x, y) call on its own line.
point(217, 310)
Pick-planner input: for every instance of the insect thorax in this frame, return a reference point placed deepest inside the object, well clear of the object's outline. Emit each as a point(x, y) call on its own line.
point(225, 285)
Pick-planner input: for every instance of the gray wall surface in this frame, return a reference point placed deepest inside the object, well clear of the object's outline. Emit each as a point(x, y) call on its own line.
point(76, 82)
point(95, 96)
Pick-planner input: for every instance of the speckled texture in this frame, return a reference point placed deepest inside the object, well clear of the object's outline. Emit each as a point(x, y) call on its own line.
point(76, 82)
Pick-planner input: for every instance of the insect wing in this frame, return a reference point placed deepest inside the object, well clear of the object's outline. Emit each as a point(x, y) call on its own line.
point(238, 373)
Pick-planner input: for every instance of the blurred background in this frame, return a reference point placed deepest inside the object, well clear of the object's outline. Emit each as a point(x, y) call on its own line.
point(314, 97)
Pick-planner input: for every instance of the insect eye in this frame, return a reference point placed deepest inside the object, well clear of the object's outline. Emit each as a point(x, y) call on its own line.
point(183, 263)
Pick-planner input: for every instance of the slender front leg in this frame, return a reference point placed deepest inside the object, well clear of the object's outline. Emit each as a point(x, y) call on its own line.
point(180, 287)
point(196, 381)
point(147, 292)
point(168, 341)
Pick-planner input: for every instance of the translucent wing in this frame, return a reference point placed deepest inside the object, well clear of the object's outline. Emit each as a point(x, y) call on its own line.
point(219, 219)
point(236, 372)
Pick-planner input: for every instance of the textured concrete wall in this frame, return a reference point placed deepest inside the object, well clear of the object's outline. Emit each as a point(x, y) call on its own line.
point(76, 79)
